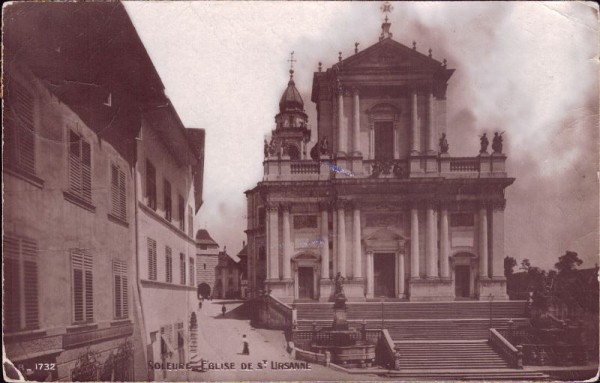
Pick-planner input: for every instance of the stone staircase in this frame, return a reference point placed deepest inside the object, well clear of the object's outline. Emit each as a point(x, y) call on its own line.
point(448, 355)
point(436, 340)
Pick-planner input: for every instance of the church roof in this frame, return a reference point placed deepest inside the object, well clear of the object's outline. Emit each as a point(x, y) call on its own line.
point(382, 59)
point(291, 100)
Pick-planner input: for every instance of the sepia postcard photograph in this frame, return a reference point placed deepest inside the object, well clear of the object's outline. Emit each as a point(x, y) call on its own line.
point(231, 191)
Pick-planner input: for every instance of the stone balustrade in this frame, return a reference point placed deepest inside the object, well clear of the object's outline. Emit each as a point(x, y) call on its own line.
point(481, 166)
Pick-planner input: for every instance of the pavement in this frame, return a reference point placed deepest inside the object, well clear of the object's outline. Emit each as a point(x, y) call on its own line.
point(220, 346)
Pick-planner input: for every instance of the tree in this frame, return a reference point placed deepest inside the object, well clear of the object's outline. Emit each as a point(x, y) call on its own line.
point(509, 265)
point(525, 264)
point(567, 262)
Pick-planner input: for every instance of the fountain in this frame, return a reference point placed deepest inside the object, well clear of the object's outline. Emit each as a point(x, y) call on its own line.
point(346, 345)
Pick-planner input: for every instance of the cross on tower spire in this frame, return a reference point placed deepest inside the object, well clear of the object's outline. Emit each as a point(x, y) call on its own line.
point(291, 61)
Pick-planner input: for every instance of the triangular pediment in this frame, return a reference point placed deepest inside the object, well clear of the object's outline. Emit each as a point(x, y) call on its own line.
point(389, 53)
point(384, 235)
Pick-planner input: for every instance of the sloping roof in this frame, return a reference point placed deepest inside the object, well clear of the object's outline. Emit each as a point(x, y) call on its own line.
point(227, 260)
point(204, 238)
point(244, 252)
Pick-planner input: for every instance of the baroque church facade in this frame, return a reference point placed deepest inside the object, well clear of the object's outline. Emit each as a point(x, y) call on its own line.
point(379, 199)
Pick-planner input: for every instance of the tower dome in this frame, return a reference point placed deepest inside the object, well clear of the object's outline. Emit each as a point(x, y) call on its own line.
point(291, 100)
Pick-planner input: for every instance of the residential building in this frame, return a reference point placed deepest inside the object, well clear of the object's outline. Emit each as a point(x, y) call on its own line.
point(228, 276)
point(92, 147)
point(70, 118)
point(166, 203)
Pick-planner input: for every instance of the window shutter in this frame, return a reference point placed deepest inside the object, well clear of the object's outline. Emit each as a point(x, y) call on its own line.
point(83, 285)
point(151, 259)
point(74, 163)
point(118, 302)
point(86, 170)
point(30, 278)
point(182, 268)
point(122, 195)
point(23, 109)
point(124, 289)
point(169, 263)
point(78, 294)
point(114, 190)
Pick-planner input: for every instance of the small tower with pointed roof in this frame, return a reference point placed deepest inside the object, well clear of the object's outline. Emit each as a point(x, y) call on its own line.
point(291, 132)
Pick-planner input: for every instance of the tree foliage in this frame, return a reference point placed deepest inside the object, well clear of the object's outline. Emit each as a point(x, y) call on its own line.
point(509, 265)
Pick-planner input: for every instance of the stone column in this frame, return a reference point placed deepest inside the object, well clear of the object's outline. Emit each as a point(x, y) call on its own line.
point(431, 243)
point(444, 244)
point(498, 240)
point(325, 241)
point(342, 140)
point(414, 243)
point(483, 243)
point(356, 243)
point(273, 241)
point(341, 247)
point(370, 275)
point(356, 123)
point(414, 124)
point(431, 136)
point(287, 245)
point(401, 275)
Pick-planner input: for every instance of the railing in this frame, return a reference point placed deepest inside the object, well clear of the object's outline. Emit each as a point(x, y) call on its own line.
point(510, 353)
point(314, 357)
point(553, 355)
point(464, 165)
point(273, 313)
point(305, 167)
point(386, 351)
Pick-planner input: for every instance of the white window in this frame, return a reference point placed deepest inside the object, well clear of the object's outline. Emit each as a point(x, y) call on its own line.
point(182, 268)
point(80, 167)
point(19, 132)
point(20, 290)
point(121, 300)
point(83, 285)
point(190, 221)
point(169, 264)
point(118, 191)
point(151, 259)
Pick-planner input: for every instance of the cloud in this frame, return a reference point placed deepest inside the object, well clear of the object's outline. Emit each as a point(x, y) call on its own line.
point(529, 69)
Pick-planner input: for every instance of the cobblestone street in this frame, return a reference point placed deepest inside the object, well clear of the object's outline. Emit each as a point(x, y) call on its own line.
point(220, 342)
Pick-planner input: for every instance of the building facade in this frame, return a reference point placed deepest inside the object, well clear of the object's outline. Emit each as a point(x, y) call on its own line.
point(379, 199)
point(68, 248)
point(166, 253)
point(86, 230)
point(207, 255)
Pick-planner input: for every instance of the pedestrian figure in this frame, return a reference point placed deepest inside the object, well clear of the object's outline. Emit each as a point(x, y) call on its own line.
point(200, 304)
point(223, 310)
point(246, 349)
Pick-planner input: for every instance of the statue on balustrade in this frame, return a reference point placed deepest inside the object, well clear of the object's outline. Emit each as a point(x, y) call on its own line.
point(376, 170)
point(339, 284)
point(444, 144)
point(484, 143)
point(266, 148)
point(398, 170)
point(497, 142)
point(285, 149)
point(324, 146)
point(314, 152)
point(272, 148)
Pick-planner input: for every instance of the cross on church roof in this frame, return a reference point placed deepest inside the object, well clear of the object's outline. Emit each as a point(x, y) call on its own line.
point(386, 8)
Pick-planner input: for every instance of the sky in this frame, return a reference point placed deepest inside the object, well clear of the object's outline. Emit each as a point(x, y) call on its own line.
point(529, 69)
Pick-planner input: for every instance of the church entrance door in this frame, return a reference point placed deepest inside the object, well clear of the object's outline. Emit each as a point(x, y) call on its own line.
point(462, 276)
point(305, 283)
point(384, 266)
